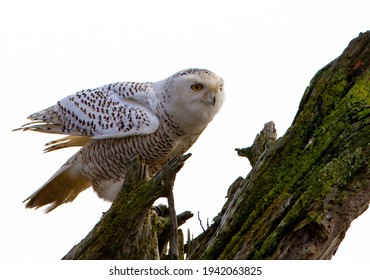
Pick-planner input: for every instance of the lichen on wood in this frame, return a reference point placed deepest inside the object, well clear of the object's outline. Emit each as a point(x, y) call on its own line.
point(303, 192)
point(132, 228)
point(297, 202)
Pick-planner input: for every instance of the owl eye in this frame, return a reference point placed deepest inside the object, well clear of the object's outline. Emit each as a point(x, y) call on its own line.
point(197, 87)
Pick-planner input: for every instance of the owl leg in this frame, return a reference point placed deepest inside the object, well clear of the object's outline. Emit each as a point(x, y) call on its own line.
point(108, 189)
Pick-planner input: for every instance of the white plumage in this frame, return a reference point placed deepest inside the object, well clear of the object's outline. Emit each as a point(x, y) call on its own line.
point(116, 122)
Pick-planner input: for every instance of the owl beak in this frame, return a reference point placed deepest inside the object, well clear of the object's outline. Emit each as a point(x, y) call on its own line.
point(213, 100)
point(210, 99)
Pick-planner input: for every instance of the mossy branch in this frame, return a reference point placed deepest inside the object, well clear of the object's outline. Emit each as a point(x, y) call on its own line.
point(305, 188)
point(131, 228)
point(299, 199)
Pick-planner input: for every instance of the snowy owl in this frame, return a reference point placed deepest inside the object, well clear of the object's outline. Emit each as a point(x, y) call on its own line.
point(114, 123)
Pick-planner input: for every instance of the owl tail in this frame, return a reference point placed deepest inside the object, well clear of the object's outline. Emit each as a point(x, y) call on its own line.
point(62, 187)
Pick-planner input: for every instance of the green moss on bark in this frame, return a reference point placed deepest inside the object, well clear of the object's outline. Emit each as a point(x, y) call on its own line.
point(131, 229)
point(322, 153)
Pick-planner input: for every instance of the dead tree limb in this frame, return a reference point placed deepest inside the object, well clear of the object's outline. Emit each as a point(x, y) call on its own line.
point(307, 187)
point(131, 229)
point(299, 199)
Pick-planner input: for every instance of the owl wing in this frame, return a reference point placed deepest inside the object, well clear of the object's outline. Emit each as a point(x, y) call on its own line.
point(98, 113)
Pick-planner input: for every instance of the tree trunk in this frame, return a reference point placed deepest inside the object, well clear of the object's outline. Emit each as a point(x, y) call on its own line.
point(306, 188)
point(297, 202)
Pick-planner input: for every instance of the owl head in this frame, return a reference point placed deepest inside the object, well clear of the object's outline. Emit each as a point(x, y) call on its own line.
point(193, 97)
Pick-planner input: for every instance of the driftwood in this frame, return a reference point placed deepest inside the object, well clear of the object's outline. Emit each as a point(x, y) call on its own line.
point(299, 199)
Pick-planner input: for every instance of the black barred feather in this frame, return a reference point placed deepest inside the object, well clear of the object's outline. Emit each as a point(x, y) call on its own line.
point(115, 123)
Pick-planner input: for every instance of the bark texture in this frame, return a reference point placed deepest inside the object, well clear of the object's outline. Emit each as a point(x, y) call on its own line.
point(299, 199)
point(132, 228)
point(305, 188)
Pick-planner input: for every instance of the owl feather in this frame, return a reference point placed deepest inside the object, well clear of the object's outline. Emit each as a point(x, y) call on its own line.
point(117, 122)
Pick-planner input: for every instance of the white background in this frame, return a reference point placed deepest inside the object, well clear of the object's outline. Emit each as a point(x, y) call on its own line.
point(266, 51)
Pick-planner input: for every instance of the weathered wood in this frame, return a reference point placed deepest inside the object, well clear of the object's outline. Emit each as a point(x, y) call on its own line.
point(131, 228)
point(174, 240)
point(265, 140)
point(297, 202)
point(304, 190)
